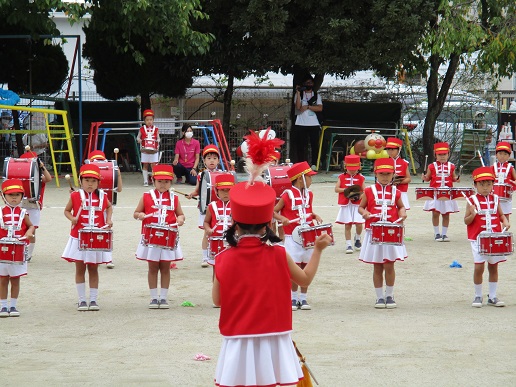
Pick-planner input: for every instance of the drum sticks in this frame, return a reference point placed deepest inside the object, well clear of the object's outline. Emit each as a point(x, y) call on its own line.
point(67, 177)
point(182, 193)
point(116, 150)
point(426, 164)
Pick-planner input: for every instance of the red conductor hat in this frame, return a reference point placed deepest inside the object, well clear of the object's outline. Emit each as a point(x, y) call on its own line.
point(252, 203)
point(393, 143)
point(29, 155)
point(224, 181)
point(97, 155)
point(503, 146)
point(352, 162)
point(148, 113)
point(384, 165)
point(90, 170)
point(210, 149)
point(11, 186)
point(483, 173)
point(441, 148)
point(163, 172)
point(300, 169)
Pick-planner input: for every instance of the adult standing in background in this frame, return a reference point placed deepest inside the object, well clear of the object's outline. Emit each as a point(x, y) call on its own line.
point(186, 156)
point(307, 127)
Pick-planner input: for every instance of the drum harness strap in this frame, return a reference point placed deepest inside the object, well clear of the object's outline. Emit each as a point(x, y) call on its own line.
point(224, 217)
point(384, 216)
point(443, 173)
point(149, 132)
point(90, 208)
point(502, 173)
point(162, 209)
point(488, 212)
point(304, 197)
point(13, 227)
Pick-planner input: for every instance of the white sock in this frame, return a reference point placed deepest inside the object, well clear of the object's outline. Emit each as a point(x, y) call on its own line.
point(145, 176)
point(478, 290)
point(3, 304)
point(294, 295)
point(163, 294)
point(93, 294)
point(30, 250)
point(154, 294)
point(302, 297)
point(389, 291)
point(205, 255)
point(81, 291)
point(357, 237)
point(379, 293)
point(348, 243)
point(445, 230)
point(436, 230)
point(492, 289)
point(15, 300)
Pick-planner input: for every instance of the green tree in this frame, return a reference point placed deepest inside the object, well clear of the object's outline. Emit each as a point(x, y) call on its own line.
point(477, 34)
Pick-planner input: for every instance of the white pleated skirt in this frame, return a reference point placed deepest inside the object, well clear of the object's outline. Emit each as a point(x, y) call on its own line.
point(348, 214)
point(150, 157)
point(12, 270)
point(506, 206)
point(376, 253)
point(481, 258)
point(404, 199)
point(442, 206)
point(72, 253)
point(296, 251)
point(157, 254)
point(258, 361)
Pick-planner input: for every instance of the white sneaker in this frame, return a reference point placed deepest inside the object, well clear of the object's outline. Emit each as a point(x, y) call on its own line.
point(146, 184)
point(110, 265)
point(349, 250)
point(477, 302)
point(205, 264)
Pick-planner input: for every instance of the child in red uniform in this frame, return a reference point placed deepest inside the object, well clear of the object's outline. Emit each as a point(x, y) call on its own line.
point(441, 174)
point(295, 205)
point(402, 172)
point(484, 214)
point(348, 213)
point(257, 348)
point(382, 202)
point(149, 155)
point(505, 175)
point(16, 220)
point(87, 208)
point(159, 207)
point(218, 216)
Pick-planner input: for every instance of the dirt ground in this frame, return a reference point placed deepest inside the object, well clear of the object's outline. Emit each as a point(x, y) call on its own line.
point(433, 338)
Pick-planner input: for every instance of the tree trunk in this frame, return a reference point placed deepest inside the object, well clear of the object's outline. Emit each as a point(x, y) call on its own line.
point(145, 101)
point(19, 137)
point(228, 99)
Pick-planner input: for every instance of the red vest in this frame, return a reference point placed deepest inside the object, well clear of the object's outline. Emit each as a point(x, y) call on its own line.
point(479, 221)
point(147, 132)
point(346, 180)
point(12, 216)
point(383, 193)
point(219, 210)
point(150, 207)
point(294, 203)
point(98, 219)
point(244, 310)
point(441, 174)
point(502, 172)
point(401, 170)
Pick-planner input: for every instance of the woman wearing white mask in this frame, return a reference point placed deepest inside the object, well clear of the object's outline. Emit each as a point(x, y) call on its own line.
point(186, 156)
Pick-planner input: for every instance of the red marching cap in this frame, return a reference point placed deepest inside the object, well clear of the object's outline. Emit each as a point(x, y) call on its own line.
point(393, 143)
point(299, 169)
point(148, 113)
point(483, 173)
point(252, 203)
point(503, 146)
point(352, 162)
point(441, 148)
point(29, 155)
point(11, 186)
point(224, 181)
point(384, 165)
point(97, 155)
point(90, 170)
point(163, 172)
point(210, 149)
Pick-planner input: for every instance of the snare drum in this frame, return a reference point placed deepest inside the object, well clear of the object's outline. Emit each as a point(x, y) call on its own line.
point(306, 236)
point(495, 243)
point(387, 233)
point(164, 237)
point(207, 187)
point(459, 193)
point(504, 191)
point(12, 251)
point(95, 239)
point(277, 178)
point(424, 193)
point(27, 170)
point(109, 178)
point(149, 146)
point(443, 193)
point(216, 245)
